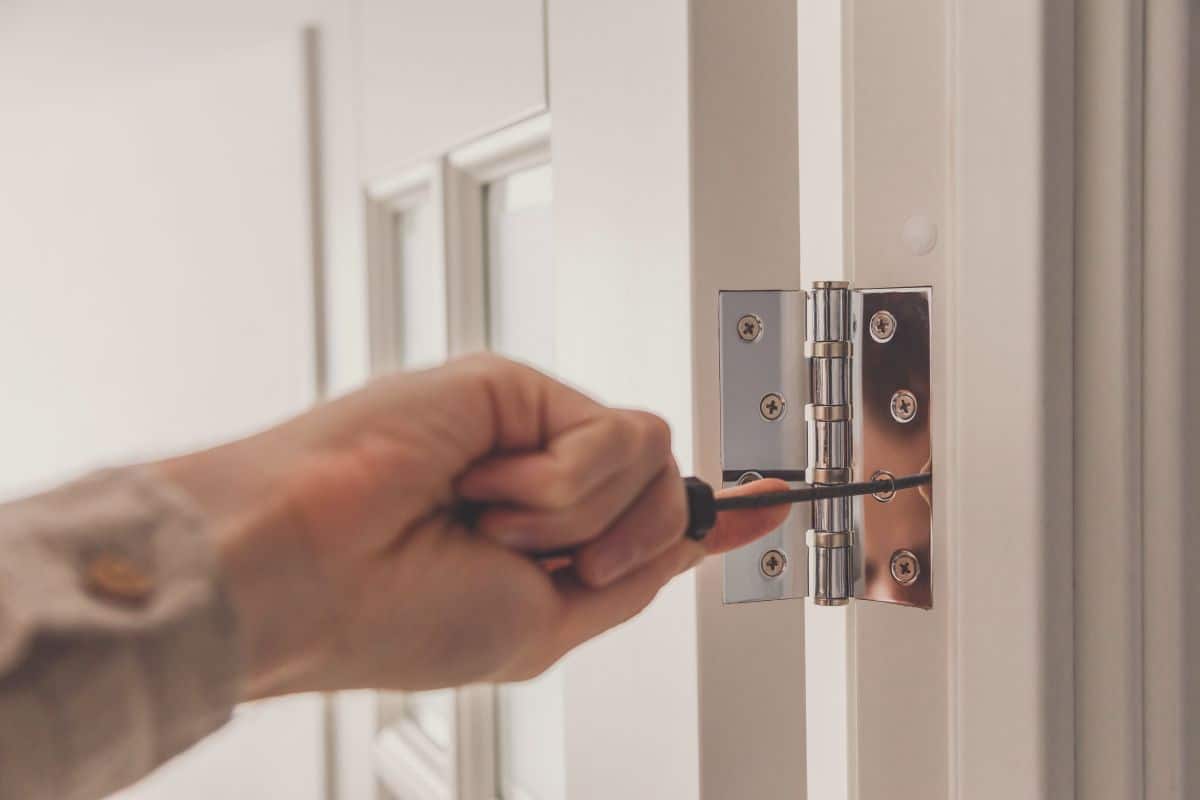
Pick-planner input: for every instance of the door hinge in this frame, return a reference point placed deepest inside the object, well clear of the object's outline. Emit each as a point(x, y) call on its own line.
point(828, 387)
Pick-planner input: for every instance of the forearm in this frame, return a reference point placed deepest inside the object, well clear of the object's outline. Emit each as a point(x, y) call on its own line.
point(116, 638)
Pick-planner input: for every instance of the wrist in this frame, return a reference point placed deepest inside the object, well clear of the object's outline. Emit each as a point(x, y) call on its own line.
point(269, 581)
point(282, 618)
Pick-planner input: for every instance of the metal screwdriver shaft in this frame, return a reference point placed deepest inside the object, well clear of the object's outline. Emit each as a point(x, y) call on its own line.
point(703, 505)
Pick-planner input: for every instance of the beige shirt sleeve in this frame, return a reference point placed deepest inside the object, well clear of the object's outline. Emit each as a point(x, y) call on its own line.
point(116, 639)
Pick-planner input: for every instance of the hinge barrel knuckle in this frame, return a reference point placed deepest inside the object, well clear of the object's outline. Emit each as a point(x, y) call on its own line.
point(830, 440)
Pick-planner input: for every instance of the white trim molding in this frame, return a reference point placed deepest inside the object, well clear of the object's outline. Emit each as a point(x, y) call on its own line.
point(384, 201)
point(465, 173)
point(410, 766)
point(1170, 396)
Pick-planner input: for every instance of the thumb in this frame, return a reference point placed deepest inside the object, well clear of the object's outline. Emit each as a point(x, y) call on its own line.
point(735, 528)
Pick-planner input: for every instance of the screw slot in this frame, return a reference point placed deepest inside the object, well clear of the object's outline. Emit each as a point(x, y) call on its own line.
point(882, 326)
point(904, 406)
point(771, 406)
point(750, 327)
point(905, 567)
point(773, 563)
point(886, 495)
point(748, 477)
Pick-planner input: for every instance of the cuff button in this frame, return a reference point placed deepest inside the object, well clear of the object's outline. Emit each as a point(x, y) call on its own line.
point(116, 578)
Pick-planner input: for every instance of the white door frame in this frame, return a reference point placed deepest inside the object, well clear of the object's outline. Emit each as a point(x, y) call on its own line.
point(957, 126)
point(1171, 375)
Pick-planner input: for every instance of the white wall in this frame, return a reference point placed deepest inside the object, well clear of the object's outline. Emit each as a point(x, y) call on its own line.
point(156, 252)
point(153, 232)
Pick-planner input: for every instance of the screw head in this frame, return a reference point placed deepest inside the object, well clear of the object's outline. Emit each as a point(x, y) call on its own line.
point(748, 477)
point(771, 406)
point(750, 327)
point(772, 563)
point(904, 406)
point(882, 326)
point(906, 568)
point(887, 494)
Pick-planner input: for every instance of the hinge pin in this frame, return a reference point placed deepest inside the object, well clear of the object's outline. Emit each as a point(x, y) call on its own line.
point(830, 440)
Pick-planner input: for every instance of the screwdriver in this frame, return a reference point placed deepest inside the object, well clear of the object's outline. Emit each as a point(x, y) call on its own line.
point(704, 505)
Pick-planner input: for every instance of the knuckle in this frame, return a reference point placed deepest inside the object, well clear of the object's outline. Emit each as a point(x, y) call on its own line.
point(558, 492)
point(476, 362)
point(675, 519)
point(490, 364)
point(620, 428)
point(657, 433)
point(588, 573)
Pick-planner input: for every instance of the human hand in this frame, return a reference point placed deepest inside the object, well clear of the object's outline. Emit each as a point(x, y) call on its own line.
point(345, 550)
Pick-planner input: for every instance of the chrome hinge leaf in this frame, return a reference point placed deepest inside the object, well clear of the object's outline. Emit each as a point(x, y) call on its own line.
point(831, 386)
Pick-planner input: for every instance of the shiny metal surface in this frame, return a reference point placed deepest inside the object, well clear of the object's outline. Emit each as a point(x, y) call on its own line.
point(826, 413)
point(828, 476)
point(772, 363)
point(830, 443)
point(881, 369)
point(829, 575)
point(828, 349)
point(860, 360)
point(829, 312)
point(830, 381)
point(835, 514)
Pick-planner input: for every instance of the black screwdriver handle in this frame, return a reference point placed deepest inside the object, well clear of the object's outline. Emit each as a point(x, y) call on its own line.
point(702, 508)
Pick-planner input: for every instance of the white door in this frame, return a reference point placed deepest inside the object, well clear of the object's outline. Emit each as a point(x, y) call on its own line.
point(1027, 162)
point(477, 120)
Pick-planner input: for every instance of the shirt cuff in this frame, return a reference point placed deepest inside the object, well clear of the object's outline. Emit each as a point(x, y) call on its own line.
point(117, 638)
